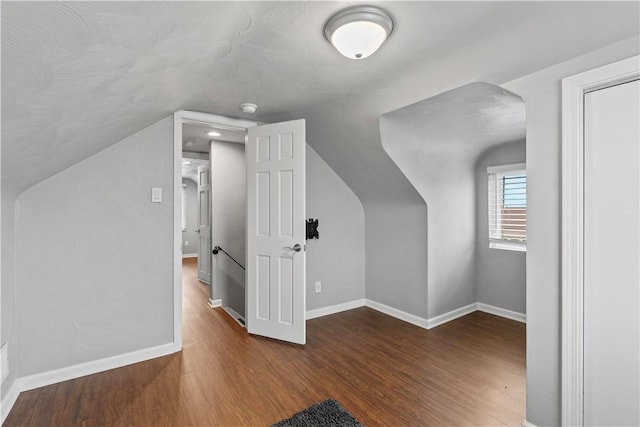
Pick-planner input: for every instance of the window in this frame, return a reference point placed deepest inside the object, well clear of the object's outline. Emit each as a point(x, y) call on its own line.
point(184, 207)
point(508, 207)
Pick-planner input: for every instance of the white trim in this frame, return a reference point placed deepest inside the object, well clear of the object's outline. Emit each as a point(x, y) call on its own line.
point(515, 167)
point(508, 245)
point(398, 314)
point(528, 424)
point(189, 255)
point(192, 155)
point(333, 309)
point(234, 315)
point(177, 230)
point(8, 401)
point(502, 312)
point(215, 303)
point(71, 372)
point(180, 117)
point(432, 322)
point(573, 90)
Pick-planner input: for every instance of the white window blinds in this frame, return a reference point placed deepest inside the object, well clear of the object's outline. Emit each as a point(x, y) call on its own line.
point(508, 207)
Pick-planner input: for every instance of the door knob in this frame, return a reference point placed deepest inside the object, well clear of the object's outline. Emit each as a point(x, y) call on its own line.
point(197, 231)
point(295, 247)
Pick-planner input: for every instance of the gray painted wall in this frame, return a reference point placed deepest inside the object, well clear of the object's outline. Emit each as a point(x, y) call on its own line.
point(85, 289)
point(436, 143)
point(500, 274)
point(190, 234)
point(8, 288)
point(228, 199)
point(541, 92)
point(393, 208)
point(396, 256)
point(337, 258)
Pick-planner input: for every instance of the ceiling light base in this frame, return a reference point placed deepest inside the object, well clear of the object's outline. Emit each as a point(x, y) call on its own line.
point(248, 108)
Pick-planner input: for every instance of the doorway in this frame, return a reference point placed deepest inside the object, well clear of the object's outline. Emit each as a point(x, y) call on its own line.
point(194, 216)
point(274, 226)
point(214, 196)
point(192, 143)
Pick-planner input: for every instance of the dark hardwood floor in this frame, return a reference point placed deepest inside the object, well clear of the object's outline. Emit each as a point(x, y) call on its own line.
point(470, 371)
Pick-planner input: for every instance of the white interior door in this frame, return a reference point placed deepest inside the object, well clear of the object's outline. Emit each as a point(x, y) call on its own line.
point(204, 224)
point(612, 256)
point(276, 231)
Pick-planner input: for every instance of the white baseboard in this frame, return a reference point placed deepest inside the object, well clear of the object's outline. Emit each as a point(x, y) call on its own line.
point(432, 322)
point(398, 314)
point(8, 401)
point(333, 309)
point(527, 423)
point(189, 255)
point(502, 312)
point(234, 315)
point(64, 374)
point(213, 303)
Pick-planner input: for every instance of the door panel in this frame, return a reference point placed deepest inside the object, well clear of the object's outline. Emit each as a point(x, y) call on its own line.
point(204, 224)
point(612, 256)
point(275, 225)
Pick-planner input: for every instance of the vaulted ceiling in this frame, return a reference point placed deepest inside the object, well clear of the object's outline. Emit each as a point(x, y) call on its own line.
point(80, 76)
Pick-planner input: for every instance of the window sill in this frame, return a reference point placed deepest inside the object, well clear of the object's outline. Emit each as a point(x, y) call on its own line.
point(508, 246)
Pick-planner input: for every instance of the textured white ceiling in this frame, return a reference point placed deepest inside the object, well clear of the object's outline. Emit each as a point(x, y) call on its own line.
point(460, 124)
point(80, 76)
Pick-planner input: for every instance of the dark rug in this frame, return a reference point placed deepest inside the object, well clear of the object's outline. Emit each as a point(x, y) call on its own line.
point(327, 413)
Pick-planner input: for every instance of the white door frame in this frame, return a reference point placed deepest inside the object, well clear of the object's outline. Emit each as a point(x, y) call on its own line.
point(573, 90)
point(179, 118)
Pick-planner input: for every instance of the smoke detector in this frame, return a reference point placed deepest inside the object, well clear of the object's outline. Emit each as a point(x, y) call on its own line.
point(248, 108)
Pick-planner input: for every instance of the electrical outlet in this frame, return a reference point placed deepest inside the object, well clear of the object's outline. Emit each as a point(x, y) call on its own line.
point(318, 287)
point(186, 243)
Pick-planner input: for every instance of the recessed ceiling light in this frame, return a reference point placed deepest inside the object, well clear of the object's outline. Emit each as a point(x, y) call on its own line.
point(186, 162)
point(213, 133)
point(357, 32)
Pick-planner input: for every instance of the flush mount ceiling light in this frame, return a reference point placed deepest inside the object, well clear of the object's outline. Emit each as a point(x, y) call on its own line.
point(248, 108)
point(213, 133)
point(357, 32)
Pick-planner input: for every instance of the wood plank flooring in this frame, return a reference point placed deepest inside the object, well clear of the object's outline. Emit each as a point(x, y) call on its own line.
point(470, 371)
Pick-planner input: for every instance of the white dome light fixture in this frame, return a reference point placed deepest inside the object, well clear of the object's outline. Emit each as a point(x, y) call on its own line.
point(357, 32)
point(248, 108)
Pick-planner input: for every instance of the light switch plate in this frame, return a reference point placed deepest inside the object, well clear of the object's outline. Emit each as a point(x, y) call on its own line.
point(156, 195)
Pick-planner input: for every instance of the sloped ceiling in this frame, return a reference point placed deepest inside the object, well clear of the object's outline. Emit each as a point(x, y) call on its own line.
point(80, 76)
point(459, 124)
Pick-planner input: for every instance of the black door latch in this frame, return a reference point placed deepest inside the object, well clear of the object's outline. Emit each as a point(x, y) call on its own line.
point(312, 229)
